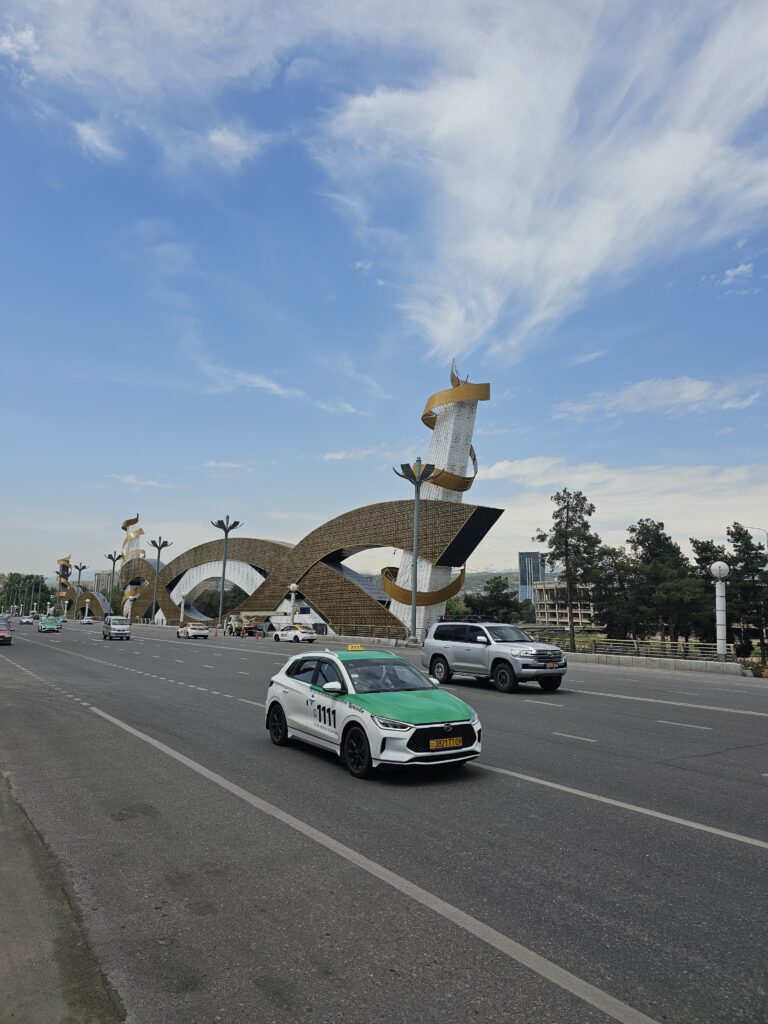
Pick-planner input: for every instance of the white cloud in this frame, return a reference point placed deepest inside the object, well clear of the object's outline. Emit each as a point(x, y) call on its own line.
point(133, 481)
point(669, 397)
point(355, 454)
point(339, 407)
point(691, 500)
point(738, 274)
point(214, 464)
point(95, 142)
point(588, 357)
point(544, 151)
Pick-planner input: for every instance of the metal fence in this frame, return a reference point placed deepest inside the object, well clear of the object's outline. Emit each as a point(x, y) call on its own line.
point(681, 649)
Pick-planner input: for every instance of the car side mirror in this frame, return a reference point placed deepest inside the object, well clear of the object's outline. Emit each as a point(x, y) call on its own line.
point(481, 640)
point(332, 688)
point(435, 682)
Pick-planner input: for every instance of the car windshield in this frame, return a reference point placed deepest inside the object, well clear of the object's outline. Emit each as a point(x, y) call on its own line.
point(508, 634)
point(385, 676)
point(118, 621)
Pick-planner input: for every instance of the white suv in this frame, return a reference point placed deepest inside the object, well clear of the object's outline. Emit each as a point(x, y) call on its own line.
point(505, 654)
point(116, 627)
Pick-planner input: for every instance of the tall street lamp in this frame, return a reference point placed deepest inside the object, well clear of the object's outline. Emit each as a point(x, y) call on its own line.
point(77, 592)
point(227, 527)
point(721, 571)
point(416, 475)
point(158, 545)
point(294, 590)
point(114, 558)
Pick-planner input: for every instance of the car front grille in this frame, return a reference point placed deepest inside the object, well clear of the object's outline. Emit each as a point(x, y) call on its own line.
point(547, 656)
point(419, 742)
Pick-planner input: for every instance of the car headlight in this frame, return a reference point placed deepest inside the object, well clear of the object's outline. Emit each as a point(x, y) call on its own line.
point(389, 723)
point(475, 719)
point(527, 652)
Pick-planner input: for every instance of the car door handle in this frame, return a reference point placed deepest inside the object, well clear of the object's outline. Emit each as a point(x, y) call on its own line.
point(284, 689)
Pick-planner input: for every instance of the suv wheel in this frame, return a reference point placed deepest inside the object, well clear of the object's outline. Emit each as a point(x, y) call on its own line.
point(504, 678)
point(277, 725)
point(440, 670)
point(550, 683)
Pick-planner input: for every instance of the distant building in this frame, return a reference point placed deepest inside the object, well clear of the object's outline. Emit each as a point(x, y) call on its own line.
point(551, 609)
point(101, 580)
point(531, 566)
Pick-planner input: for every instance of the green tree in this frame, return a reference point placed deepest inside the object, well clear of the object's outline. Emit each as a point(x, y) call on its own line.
point(22, 589)
point(616, 594)
point(455, 608)
point(497, 600)
point(571, 544)
point(747, 587)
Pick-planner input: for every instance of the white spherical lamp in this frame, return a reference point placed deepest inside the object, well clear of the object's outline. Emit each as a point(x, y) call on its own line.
point(720, 570)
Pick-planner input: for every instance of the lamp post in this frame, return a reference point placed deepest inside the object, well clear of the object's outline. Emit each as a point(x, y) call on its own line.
point(181, 616)
point(721, 571)
point(77, 592)
point(158, 545)
point(227, 527)
point(762, 529)
point(416, 475)
point(87, 607)
point(294, 590)
point(114, 558)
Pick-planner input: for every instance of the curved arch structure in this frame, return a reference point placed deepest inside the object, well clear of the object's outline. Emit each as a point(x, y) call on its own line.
point(451, 532)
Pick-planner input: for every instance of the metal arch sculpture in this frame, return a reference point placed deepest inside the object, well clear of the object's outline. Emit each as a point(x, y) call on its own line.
point(451, 530)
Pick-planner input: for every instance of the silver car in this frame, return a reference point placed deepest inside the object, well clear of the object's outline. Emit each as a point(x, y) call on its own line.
point(505, 654)
point(116, 627)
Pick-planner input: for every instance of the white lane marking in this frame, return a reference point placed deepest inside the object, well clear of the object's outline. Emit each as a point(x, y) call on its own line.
point(729, 689)
point(255, 703)
point(589, 994)
point(155, 655)
point(688, 693)
point(674, 703)
point(684, 725)
point(179, 661)
point(548, 703)
point(626, 807)
point(570, 736)
point(243, 673)
point(207, 666)
point(217, 692)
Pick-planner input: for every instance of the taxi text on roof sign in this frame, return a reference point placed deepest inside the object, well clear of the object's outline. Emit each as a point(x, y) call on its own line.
point(355, 647)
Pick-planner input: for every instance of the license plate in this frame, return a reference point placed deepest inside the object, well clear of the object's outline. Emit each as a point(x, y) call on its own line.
point(446, 743)
point(551, 664)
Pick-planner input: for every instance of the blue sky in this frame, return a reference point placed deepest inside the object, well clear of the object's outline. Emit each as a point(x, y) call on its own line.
point(243, 243)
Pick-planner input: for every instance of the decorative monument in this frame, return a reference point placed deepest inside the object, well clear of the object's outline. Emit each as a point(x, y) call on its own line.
point(346, 600)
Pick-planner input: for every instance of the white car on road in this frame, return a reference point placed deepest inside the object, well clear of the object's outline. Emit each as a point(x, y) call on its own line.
point(371, 708)
point(193, 631)
point(296, 634)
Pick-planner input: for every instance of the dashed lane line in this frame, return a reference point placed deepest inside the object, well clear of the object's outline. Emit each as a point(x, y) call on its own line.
point(684, 725)
point(533, 961)
point(547, 703)
point(570, 736)
point(647, 811)
point(242, 700)
point(674, 703)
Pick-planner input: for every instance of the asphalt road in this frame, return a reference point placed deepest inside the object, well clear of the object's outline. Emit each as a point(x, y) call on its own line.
point(607, 858)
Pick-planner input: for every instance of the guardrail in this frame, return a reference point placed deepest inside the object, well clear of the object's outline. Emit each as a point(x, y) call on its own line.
point(691, 650)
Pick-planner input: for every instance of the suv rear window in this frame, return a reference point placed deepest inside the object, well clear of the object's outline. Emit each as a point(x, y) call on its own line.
point(450, 631)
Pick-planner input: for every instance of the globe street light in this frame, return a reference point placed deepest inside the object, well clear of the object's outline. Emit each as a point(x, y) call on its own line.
point(158, 545)
point(294, 590)
point(114, 558)
point(417, 475)
point(79, 571)
point(721, 571)
point(227, 527)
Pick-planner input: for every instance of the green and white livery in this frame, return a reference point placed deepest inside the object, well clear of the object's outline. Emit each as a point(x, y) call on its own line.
point(371, 708)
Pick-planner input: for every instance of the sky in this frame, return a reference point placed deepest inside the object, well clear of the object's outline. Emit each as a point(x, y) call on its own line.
point(241, 244)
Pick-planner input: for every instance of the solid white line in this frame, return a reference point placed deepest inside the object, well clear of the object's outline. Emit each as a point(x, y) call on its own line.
point(244, 701)
point(589, 994)
point(549, 703)
point(685, 725)
point(675, 703)
point(570, 736)
point(627, 807)
point(688, 693)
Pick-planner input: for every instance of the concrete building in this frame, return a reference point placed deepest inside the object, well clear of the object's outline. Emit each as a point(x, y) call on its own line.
point(551, 609)
point(531, 567)
point(100, 583)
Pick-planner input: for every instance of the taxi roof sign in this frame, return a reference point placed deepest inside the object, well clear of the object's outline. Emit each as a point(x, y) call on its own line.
point(355, 647)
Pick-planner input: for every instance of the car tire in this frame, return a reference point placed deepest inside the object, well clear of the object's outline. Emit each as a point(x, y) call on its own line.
point(278, 727)
point(440, 670)
point(295, 639)
point(277, 639)
point(504, 678)
point(357, 753)
point(550, 684)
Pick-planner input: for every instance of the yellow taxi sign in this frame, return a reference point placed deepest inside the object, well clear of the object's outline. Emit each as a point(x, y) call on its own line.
point(355, 647)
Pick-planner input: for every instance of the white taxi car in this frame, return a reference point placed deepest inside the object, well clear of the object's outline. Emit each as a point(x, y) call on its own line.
point(371, 708)
point(193, 631)
point(296, 634)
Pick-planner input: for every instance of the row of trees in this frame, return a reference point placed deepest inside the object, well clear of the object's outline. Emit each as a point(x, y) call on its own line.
point(649, 587)
point(497, 600)
point(22, 590)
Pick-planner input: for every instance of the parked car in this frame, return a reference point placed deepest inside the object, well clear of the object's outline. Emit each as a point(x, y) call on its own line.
point(296, 634)
point(48, 625)
point(193, 631)
point(87, 620)
point(505, 654)
point(370, 708)
point(116, 627)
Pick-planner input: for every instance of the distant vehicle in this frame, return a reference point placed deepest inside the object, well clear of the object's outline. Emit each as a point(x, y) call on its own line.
point(505, 654)
point(87, 620)
point(193, 631)
point(5, 631)
point(26, 620)
point(116, 627)
point(36, 616)
point(296, 634)
point(48, 625)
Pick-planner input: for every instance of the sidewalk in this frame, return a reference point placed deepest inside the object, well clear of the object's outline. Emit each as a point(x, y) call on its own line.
point(48, 974)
